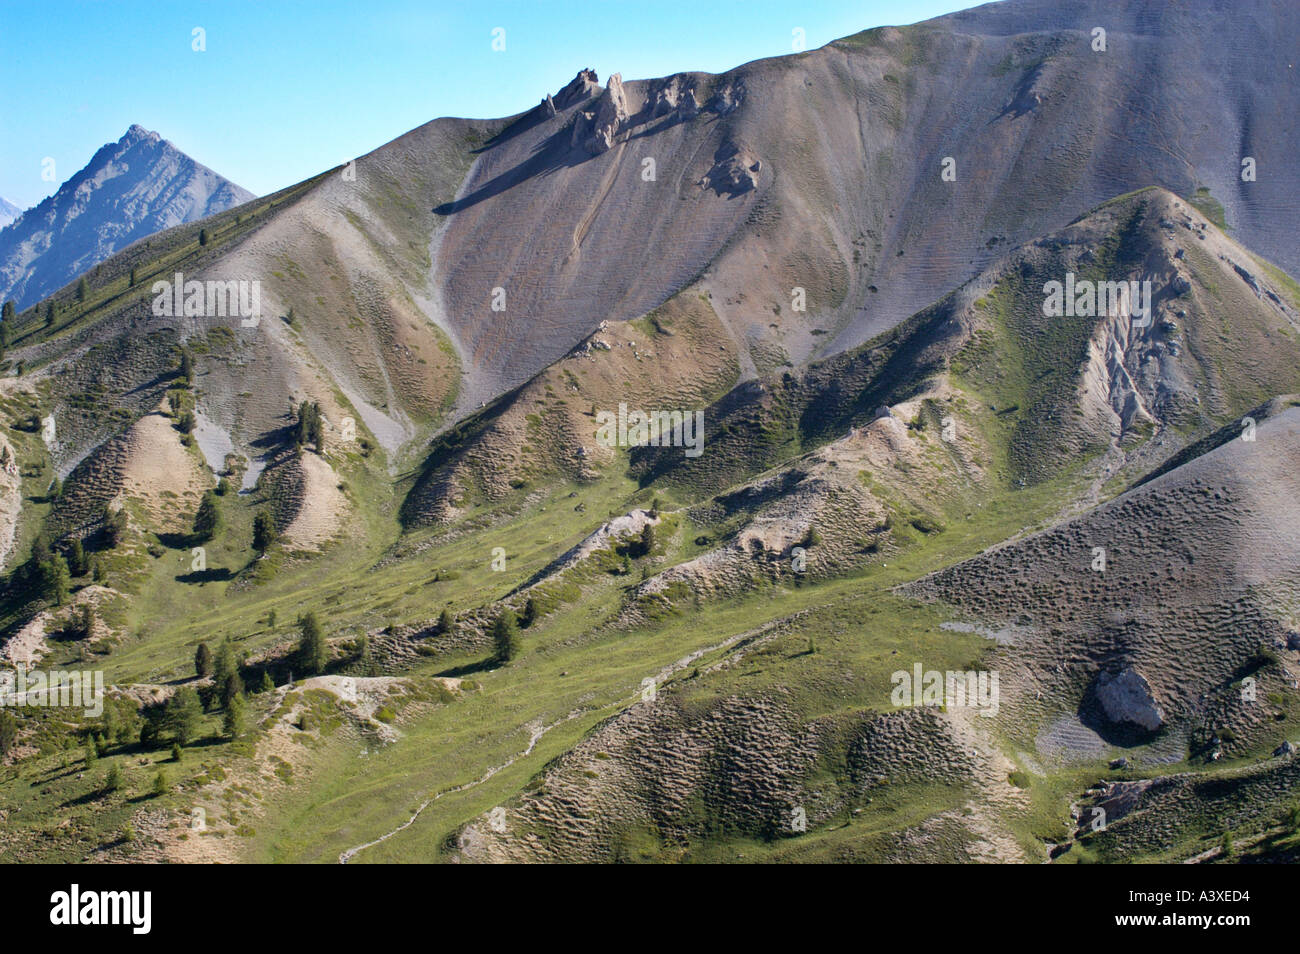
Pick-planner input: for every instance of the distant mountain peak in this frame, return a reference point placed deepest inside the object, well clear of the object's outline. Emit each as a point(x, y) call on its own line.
point(107, 205)
point(8, 212)
point(138, 133)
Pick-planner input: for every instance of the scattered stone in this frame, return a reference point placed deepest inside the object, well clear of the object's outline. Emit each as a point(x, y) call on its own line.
point(1248, 278)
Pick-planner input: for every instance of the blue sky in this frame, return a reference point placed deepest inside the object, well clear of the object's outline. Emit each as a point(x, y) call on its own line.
point(287, 89)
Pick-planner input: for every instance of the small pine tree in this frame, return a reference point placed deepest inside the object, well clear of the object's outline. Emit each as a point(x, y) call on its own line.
point(203, 236)
point(77, 565)
point(41, 551)
point(115, 523)
point(309, 423)
point(318, 432)
point(113, 778)
point(92, 754)
point(159, 784)
point(232, 689)
point(207, 521)
point(187, 366)
point(505, 637)
point(263, 531)
point(446, 622)
point(181, 715)
point(233, 724)
point(203, 661)
point(313, 651)
point(56, 581)
point(98, 573)
point(224, 664)
point(7, 311)
point(647, 540)
point(49, 314)
point(176, 752)
point(267, 684)
point(8, 732)
point(83, 289)
point(81, 622)
point(529, 615)
point(131, 282)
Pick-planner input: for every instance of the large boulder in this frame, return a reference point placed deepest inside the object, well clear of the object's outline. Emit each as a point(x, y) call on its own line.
point(735, 170)
point(1126, 700)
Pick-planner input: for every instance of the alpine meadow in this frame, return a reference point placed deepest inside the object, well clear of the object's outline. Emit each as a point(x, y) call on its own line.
point(886, 452)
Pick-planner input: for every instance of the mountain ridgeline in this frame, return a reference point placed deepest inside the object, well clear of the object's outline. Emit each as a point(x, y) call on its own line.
point(988, 327)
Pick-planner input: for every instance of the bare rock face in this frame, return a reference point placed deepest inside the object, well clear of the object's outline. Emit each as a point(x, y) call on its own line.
point(727, 98)
point(580, 89)
point(676, 96)
point(735, 171)
point(1126, 699)
point(596, 131)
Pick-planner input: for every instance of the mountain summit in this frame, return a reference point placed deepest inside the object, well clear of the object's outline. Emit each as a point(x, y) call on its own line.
point(8, 212)
point(132, 188)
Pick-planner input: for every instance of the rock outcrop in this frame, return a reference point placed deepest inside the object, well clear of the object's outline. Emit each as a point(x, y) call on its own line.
point(727, 98)
point(1126, 699)
point(675, 97)
point(580, 89)
point(596, 131)
point(735, 171)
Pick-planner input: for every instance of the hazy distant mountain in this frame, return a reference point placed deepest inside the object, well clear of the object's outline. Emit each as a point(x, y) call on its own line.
point(8, 212)
point(134, 187)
